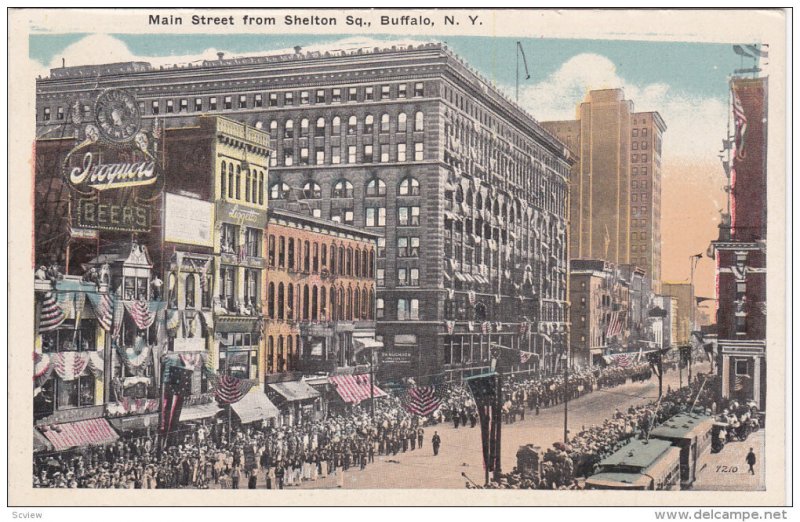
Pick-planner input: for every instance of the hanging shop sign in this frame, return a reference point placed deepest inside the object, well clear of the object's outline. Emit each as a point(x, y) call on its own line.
point(241, 215)
point(112, 216)
point(104, 176)
point(83, 233)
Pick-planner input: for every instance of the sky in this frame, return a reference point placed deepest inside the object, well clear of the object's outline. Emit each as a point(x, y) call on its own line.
point(687, 83)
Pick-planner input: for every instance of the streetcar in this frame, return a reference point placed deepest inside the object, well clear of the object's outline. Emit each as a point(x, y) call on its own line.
point(693, 434)
point(647, 465)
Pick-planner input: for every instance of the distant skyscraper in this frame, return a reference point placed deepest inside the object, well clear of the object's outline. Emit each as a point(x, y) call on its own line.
point(615, 196)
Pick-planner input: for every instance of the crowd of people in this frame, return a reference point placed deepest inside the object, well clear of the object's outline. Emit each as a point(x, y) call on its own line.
point(287, 456)
point(564, 464)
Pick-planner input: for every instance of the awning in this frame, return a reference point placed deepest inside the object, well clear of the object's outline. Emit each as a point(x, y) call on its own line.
point(355, 388)
point(460, 276)
point(361, 343)
point(255, 406)
point(200, 411)
point(91, 432)
point(134, 422)
point(235, 324)
point(295, 390)
point(469, 278)
point(40, 443)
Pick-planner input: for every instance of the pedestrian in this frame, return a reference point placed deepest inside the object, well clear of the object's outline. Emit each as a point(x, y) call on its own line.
point(751, 461)
point(420, 436)
point(235, 475)
point(436, 441)
point(252, 481)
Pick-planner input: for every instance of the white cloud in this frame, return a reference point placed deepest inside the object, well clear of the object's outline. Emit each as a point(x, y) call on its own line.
point(695, 125)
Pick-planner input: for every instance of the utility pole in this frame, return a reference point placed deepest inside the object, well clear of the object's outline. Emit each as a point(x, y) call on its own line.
point(372, 382)
point(566, 398)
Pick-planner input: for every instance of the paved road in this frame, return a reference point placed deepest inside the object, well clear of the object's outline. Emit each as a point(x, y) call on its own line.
point(461, 448)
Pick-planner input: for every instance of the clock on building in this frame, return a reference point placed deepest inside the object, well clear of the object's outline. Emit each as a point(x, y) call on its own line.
point(117, 115)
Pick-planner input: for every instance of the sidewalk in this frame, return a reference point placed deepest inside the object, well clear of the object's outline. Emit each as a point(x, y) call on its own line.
point(727, 470)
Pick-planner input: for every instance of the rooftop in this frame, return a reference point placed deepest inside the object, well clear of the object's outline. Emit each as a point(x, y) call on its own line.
point(682, 425)
point(638, 454)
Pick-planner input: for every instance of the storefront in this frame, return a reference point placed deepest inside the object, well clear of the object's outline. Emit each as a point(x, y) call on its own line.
point(743, 367)
point(298, 402)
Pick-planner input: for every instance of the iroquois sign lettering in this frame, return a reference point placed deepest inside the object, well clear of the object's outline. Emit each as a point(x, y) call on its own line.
point(103, 176)
point(111, 216)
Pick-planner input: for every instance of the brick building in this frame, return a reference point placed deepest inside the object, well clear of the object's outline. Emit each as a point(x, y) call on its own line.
point(469, 192)
point(615, 197)
point(740, 251)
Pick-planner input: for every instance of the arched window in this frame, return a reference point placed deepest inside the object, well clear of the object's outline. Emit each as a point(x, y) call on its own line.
point(230, 180)
point(254, 186)
point(223, 178)
point(352, 125)
point(371, 267)
point(336, 127)
point(190, 291)
point(314, 303)
point(290, 301)
point(290, 354)
point(341, 261)
point(348, 310)
point(333, 259)
point(340, 306)
point(279, 190)
point(271, 301)
point(312, 191)
point(376, 187)
point(271, 354)
point(281, 355)
point(261, 187)
point(419, 121)
point(343, 189)
point(469, 197)
point(281, 308)
point(324, 256)
point(304, 128)
point(305, 302)
point(247, 180)
point(323, 304)
point(238, 182)
point(371, 304)
point(333, 303)
point(478, 201)
point(402, 122)
point(409, 187)
point(364, 303)
point(356, 303)
point(320, 127)
point(306, 256)
point(273, 129)
point(384, 122)
point(288, 129)
point(349, 269)
point(364, 269)
point(459, 195)
point(369, 124)
point(357, 267)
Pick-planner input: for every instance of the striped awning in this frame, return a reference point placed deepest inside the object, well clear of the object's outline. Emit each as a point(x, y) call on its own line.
point(355, 388)
point(255, 406)
point(199, 411)
point(91, 432)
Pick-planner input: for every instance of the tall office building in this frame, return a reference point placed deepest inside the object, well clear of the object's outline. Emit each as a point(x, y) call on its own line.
point(467, 190)
point(615, 187)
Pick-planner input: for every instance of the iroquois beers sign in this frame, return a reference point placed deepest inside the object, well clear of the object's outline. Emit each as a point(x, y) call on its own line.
point(103, 176)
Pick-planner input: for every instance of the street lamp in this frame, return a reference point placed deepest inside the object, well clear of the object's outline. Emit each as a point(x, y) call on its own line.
point(564, 358)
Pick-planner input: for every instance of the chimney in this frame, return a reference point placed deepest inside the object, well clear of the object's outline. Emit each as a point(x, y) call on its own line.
point(63, 62)
point(297, 49)
point(220, 56)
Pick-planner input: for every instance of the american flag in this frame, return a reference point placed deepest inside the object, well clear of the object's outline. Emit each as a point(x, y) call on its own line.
point(229, 389)
point(141, 314)
point(615, 324)
point(423, 400)
point(740, 121)
point(104, 310)
point(52, 315)
point(486, 327)
point(623, 360)
point(451, 325)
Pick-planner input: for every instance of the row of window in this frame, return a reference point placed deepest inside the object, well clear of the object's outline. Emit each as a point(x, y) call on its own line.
point(313, 257)
point(639, 157)
point(229, 241)
point(351, 128)
point(639, 170)
point(368, 155)
point(343, 188)
point(286, 360)
point(635, 132)
point(407, 309)
point(310, 303)
point(635, 145)
point(231, 183)
point(228, 287)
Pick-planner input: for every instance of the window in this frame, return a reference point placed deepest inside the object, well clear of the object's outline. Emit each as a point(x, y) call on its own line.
point(379, 308)
point(288, 98)
point(401, 90)
point(303, 156)
point(381, 247)
point(402, 122)
point(742, 368)
point(223, 179)
point(644, 132)
point(320, 97)
point(288, 129)
point(385, 122)
point(154, 107)
point(407, 309)
point(419, 152)
point(238, 181)
point(273, 99)
point(170, 109)
point(304, 98)
point(320, 127)
point(635, 158)
point(413, 275)
point(380, 278)
point(376, 187)
point(635, 145)
point(343, 189)
point(369, 124)
point(212, 103)
point(385, 92)
point(419, 121)
point(644, 145)
point(409, 187)
point(408, 216)
point(320, 159)
point(271, 251)
point(336, 155)
point(304, 128)
point(258, 101)
point(342, 215)
point(369, 94)
point(252, 238)
point(375, 216)
point(336, 96)
point(251, 286)
point(288, 157)
point(367, 154)
point(352, 94)
point(278, 191)
point(229, 235)
point(401, 152)
point(242, 101)
point(227, 288)
point(46, 114)
point(418, 89)
point(402, 247)
point(228, 103)
point(383, 152)
point(351, 154)
point(352, 125)
point(336, 127)
point(413, 246)
point(311, 190)
point(402, 277)
point(184, 105)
